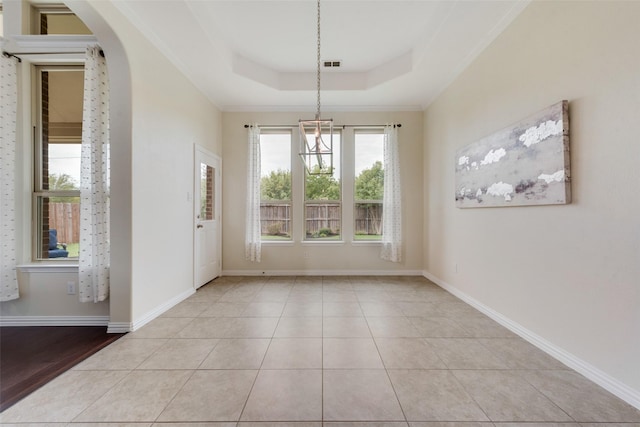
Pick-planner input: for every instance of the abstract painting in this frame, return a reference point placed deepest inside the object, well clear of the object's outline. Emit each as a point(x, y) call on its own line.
point(523, 164)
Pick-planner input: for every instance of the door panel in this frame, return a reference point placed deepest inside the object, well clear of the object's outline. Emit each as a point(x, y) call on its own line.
point(207, 232)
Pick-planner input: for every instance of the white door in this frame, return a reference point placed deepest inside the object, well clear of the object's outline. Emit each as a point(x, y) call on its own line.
point(207, 224)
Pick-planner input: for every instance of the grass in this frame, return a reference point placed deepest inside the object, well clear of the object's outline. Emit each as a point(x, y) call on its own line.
point(267, 237)
point(368, 237)
point(74, 249)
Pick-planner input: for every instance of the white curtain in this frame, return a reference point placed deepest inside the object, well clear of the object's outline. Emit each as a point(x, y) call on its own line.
point(94, 255)
point(8, 115)
point(252, 245)
point(392, 198)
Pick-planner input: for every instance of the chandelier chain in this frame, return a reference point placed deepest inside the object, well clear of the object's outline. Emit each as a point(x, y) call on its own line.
point(318, 69)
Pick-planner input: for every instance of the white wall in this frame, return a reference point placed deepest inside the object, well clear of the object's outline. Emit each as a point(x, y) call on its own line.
point(43, 291)
point(44, 300)
point(168, 116)
point(570, 273)
point(322, 258)
point(157, 116)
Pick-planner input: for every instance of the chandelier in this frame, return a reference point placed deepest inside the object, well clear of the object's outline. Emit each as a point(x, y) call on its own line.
point(316, 136)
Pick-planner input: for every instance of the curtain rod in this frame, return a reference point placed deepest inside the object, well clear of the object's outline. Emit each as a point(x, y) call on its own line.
point(13, 55)
point(395, 125)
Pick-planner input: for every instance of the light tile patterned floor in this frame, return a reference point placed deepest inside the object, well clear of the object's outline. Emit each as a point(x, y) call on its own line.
point(313, 351)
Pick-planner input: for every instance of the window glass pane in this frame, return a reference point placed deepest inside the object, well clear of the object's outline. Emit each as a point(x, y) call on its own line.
point(57, 201)
point(323, 200)
point(62, 23)
point(59, 227)
point(61, 113)
point(64, 166)
point(1, 24)
point(369, 185)
point(207, 177)
point(275, 185)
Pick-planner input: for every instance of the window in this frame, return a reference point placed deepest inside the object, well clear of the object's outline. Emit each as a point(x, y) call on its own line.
point(1, 22)
point(56, 19)
point(275, 185)
point(56, 204)
point(369, 184)
point(323, 201)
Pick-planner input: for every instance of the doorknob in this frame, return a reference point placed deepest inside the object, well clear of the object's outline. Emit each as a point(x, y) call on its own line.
point(200, 226)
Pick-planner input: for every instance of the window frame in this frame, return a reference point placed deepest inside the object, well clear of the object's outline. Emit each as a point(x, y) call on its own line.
point(367, 131)
point(288, 132)
point(340, 203)
point(38, 192)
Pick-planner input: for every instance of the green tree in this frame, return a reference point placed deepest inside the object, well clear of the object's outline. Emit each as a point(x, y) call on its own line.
point(322, 187)
point(370, 183)
point(276, 185)
point(62, 182)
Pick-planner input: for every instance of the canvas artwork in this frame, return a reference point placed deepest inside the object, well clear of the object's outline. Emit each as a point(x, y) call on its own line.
point(523, 164)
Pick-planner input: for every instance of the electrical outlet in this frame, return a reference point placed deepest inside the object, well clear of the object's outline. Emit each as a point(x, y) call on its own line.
point(71, 288)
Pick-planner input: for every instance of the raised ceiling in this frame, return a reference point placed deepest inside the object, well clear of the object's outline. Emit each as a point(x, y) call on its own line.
point(261, 55)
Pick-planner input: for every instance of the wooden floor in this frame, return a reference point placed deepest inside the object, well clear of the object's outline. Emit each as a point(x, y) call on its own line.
point(31, 356)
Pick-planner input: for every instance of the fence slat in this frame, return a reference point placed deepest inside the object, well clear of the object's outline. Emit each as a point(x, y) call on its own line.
point(65, 218)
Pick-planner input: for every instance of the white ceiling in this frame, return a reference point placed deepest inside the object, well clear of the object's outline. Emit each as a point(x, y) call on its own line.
point(261, 55)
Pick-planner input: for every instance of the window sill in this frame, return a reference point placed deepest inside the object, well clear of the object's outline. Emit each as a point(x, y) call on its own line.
point(322, 243)
point(366, 242)
point(48, 268)
point(277, 242)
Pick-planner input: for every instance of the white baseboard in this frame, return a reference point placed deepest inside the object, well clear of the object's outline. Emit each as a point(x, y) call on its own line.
point(322, 273)
point(119, 327)
point(150, 315)
point(604, 380)
point(54, 320)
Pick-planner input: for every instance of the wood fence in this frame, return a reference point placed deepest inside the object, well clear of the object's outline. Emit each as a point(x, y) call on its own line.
point(368, 218)
point(324, 216)
point(65, 217)
point(275, 218)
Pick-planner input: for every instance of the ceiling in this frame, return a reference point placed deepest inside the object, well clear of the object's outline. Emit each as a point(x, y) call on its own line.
point(261, 55)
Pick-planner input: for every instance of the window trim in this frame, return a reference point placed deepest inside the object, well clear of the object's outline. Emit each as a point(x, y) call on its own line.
point(37, 162)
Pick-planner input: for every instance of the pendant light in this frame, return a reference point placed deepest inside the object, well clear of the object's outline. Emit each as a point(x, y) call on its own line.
point(316, 136)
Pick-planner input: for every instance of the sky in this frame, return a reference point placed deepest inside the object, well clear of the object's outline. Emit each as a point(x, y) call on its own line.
point(276, 152)
point(65, 159)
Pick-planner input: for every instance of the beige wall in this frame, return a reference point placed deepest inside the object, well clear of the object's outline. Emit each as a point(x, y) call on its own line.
point(168, 116)
point(569, 274)
point(157, 116)
point(322, 258)
point(43, 295)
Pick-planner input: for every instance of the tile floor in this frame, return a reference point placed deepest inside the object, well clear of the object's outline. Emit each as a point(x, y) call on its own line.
point(308, 351)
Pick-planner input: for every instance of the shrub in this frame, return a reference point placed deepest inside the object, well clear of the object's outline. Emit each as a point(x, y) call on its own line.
point(274, 229)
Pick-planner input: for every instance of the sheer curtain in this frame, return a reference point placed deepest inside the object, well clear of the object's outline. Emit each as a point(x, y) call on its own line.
point(252, 243)
point(8, 115)
point(94, 256)
point(392, 198)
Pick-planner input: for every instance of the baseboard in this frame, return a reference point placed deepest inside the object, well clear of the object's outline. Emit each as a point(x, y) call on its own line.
point(150, 315)
point(119, 327)
point(322, 273)
point(54, 320)
point(599, 377)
